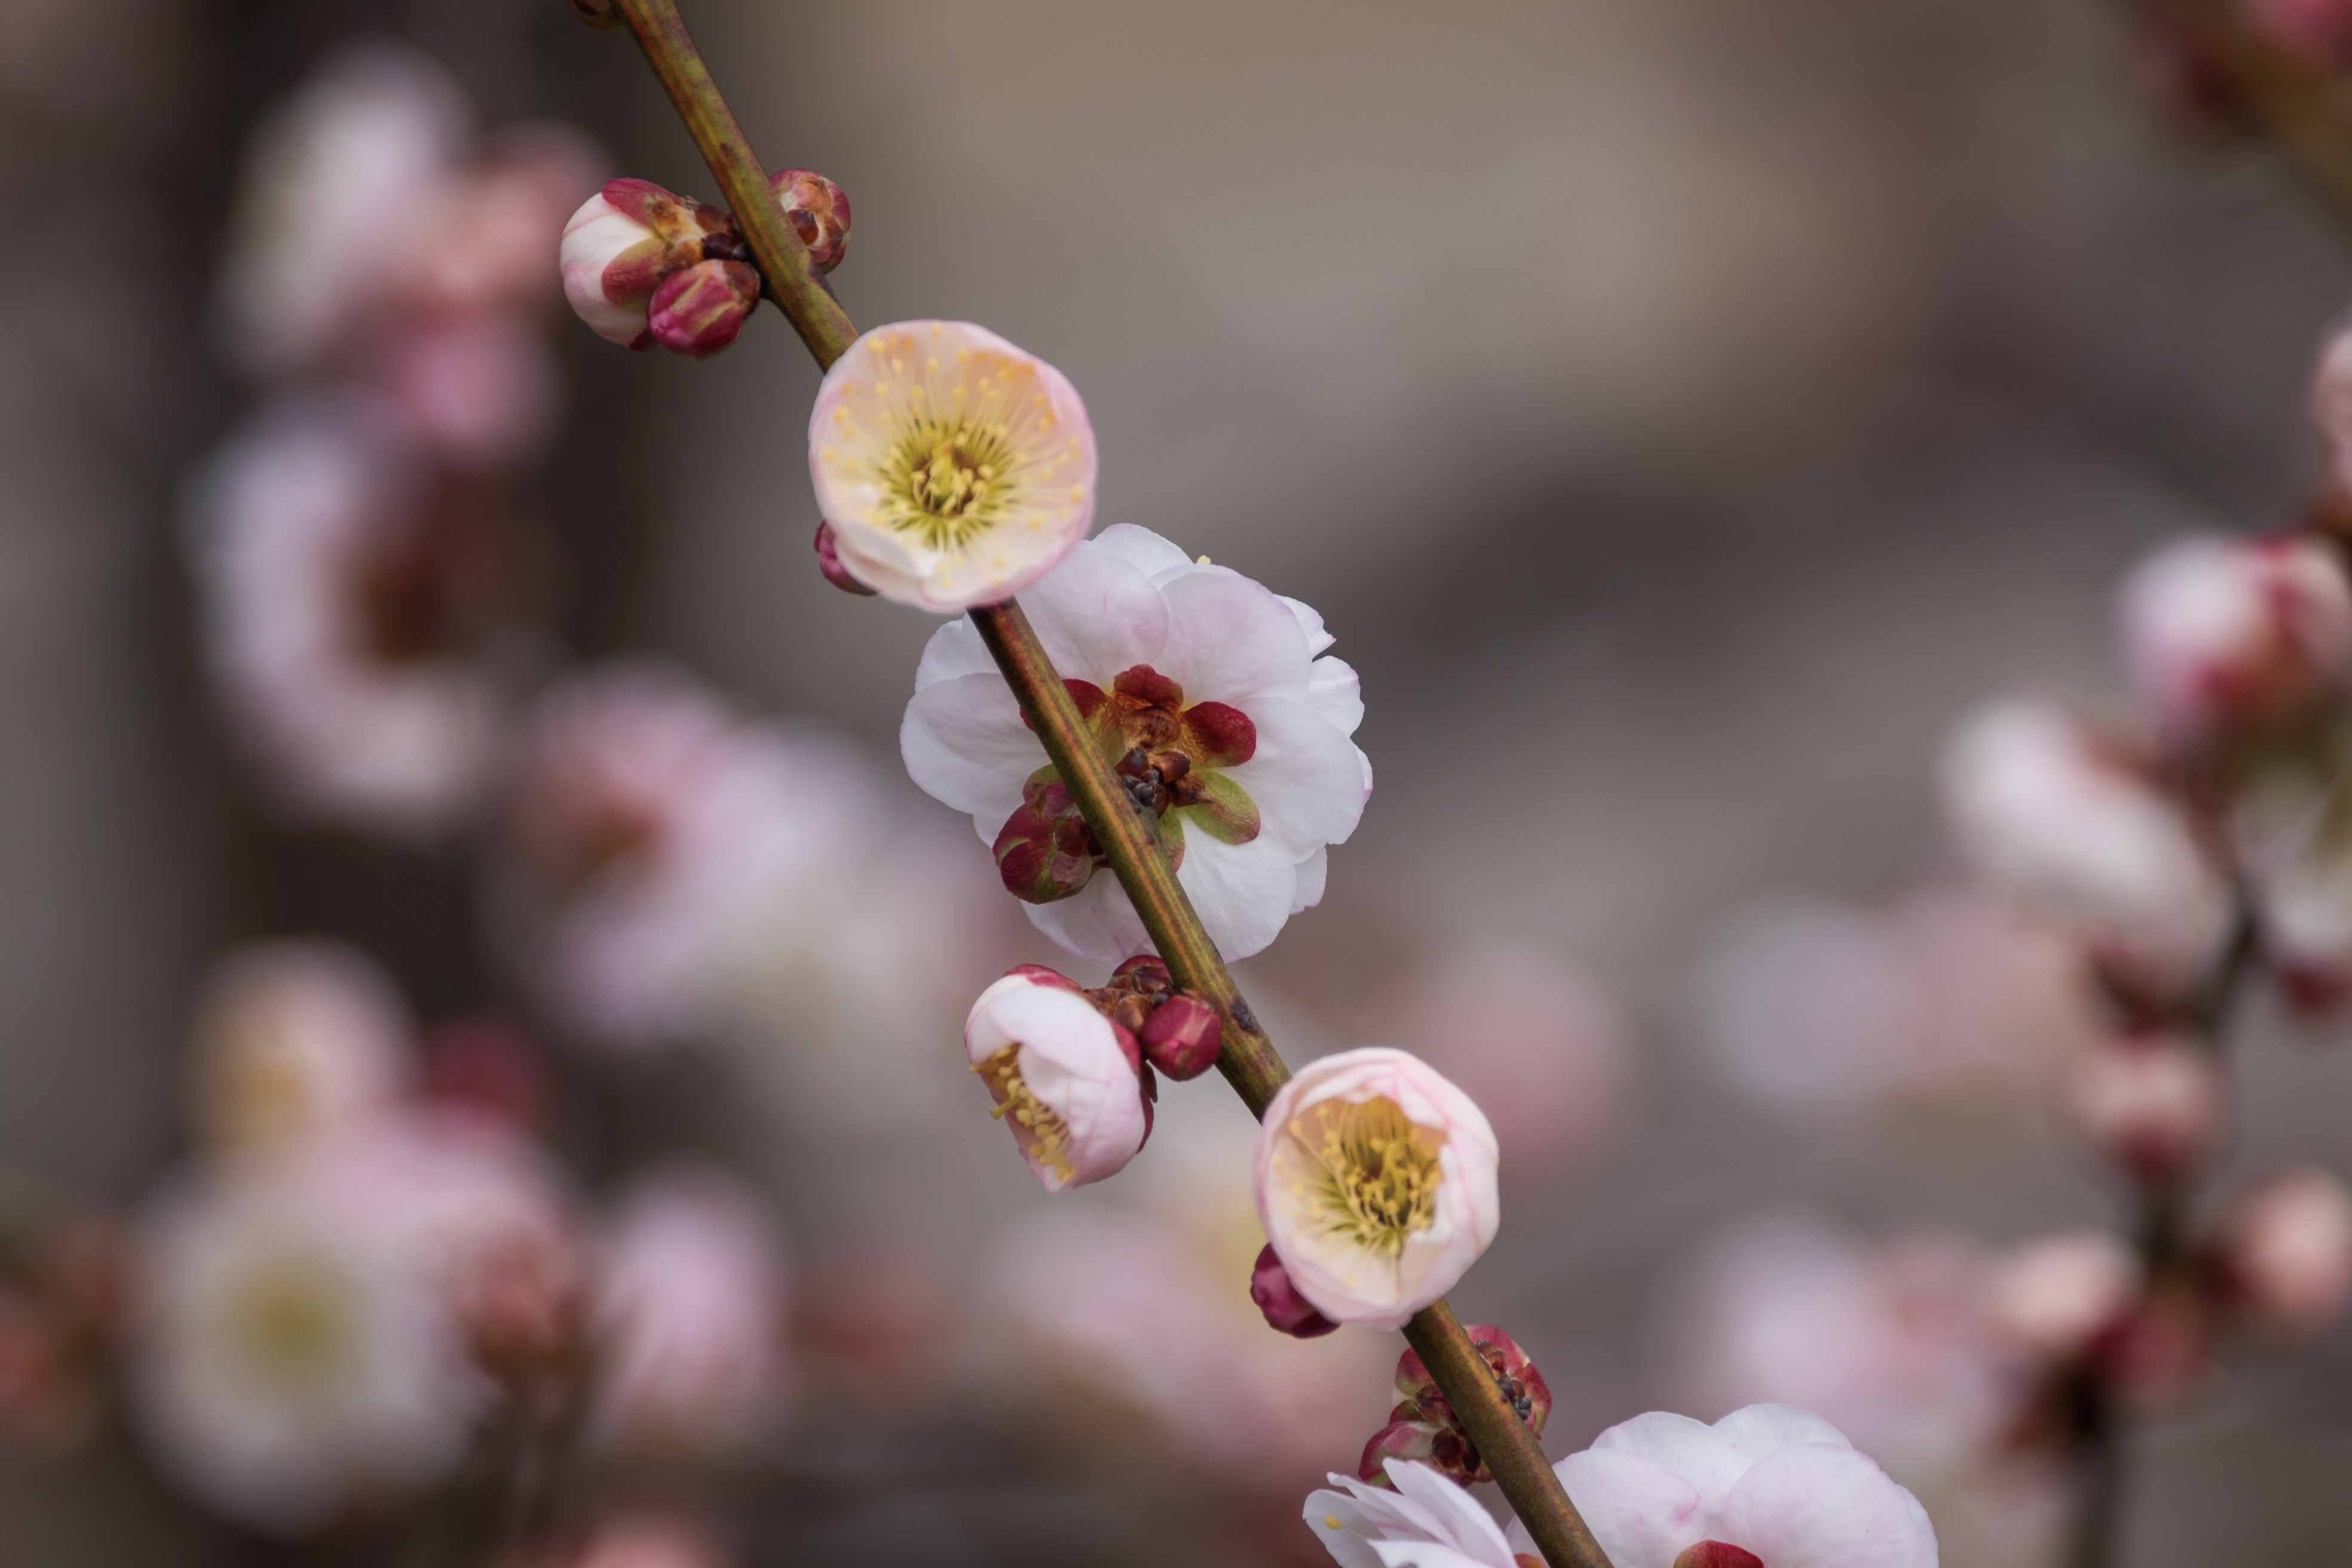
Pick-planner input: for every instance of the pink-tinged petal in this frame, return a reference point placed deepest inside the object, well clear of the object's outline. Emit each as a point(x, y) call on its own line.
point(1312, 874)
point(881, 562)
point(1643, 1513)
point(1334, 691)
point(1760, 1430)
point(1692, 1449)
point(1097, 616)
point(1309, 781)
point(1425, 1555)
point(643, 201)
point(1096, 923)
point(1310, 621)
point(1243, 891)
point(1461, 1522)
point(1817, 1506)
point(964, 743)
point(1144, 551)
point(1232, 640)
point(597, 239)
point(1343, 1527)
point(955, 649)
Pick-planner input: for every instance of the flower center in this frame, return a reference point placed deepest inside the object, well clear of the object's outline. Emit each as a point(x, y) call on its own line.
point(289, 1323)
point(1041, 1133)
point(1380, 1172)
point(946, 482)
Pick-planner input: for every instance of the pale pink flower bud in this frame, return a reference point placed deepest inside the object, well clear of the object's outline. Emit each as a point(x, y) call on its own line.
point(828, 561)
point(699, 310)
point(625, 241)
point(1064, 1078)
point(1182, 1036)
point(956, 469)
point(2231, 636)
point(2151, 1102)
point(2056, 1294)
point(2288, 1250)
point(1278, 1298)
point(818, 211)
point(1376, 1184)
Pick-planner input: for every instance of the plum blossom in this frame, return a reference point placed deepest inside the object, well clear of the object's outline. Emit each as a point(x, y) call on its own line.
point(1426, 1521)
point(1210, 694)
point(2151, 1102)
point(628, 241)
point(691, 1314)
point(2073, 827)
point(1376, 1184)
point(650, 1540)
point(2293, 831)
point(2287, 1251)
point(293, 1039)
point(2053, 1296)
point(2225, 638)
point(955, 468)
point(1068, 1081)
point(1767, 1485)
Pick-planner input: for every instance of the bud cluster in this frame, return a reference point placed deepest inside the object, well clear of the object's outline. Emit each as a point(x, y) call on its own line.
point(1423, 1427)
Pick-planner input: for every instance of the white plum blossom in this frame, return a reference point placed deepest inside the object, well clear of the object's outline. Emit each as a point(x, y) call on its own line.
point(2288, 1250)
point(293, 1039)
point(955, 468)
point(1769, 1485)
point(1209, 693)
point(2078, 832)
point(1376, 1184)
point(1426, 1521)
point(689, 1315)
point(1067, 1080)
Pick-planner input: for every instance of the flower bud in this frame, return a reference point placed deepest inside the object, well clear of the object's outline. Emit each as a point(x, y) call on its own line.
point(2166, 1345)
point(628, 240)
point(818, 211)
point(2150, 1102)
point(2229, 637)
point(2053, 1296)
point(1067, 1080)
point(2287, 1251)
point(1045, 851)
point(828, 561)
point(1146, 971)
point(1279, 1300)
point(699, 310)
point(1183, 1035)
point(1424, 1426)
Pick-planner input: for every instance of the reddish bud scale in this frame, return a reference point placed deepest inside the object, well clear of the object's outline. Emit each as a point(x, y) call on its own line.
point(1045, 851)
point(700, 309)
point(1182, 1036)
point(818, 211)
point(1423, 1421)
point(828, 561)
point(1718, 1555)
point(1279, 1300)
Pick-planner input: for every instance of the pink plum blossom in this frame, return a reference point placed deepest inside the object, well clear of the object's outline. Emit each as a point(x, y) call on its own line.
point(294, 1038)
point(955, 468)
point(1212, 695)
point(2293, 841)
point(689, 1315)
point(650, 1541)
point(483, 247)
point(2076, 830)
point(1778, 1485)
point(2151, 1102)
point(1067, 1080)
point(627, 240)
point(1376, 1184)
point(2320, 30)
point(2225, 638)
point(2287, 1251)
point(1426, 1521)
point(480, 389)
point(2053, 1297)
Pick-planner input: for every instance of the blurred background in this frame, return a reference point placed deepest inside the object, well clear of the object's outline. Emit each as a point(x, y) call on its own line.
point(1681, 414)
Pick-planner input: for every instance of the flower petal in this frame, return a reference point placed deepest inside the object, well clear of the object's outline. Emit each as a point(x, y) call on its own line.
point(1243, 891)
point(1144, 551)
point(1312, 873)
point(1334, 691)
point(955, 649)
point(1308, 781)
point(1310, 621)
point(1816, 1505)
point(1098, 616)
point(1692, 1449)
point(1343, 1527)
point(1095, 922)
point(1643, 1513)
point(964, 743)
point(1760, 1430)
point(1459, 1521)
point(1232, 640)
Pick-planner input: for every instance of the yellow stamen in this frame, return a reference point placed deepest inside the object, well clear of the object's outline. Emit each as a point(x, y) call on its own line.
point(1043, 1135)
point(1380, 1174)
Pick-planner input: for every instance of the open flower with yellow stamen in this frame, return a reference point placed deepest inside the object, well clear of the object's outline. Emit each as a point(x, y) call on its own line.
point(1376, 1184)
point(955, 468)
point(1065, 1079)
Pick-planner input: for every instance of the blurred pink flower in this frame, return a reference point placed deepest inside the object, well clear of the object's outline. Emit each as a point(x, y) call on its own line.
point(2076, 830)
point(691, 1315)
point(1775, 1484)
point(1233, 725)
point(2287, 1251)
point(293, 1039)
point(1426, 1521)
point(650, 1541)
point(2150, 1102)
point(478, 389)
point(1545, 1053)
point(2320, 30)
point(1067, 1082)
point(2225, 638)
point(955, 468)
point(1819, 1009)
point(484, 242)
point(359, 622)
point(2051, 1297)
point(1376, 1184)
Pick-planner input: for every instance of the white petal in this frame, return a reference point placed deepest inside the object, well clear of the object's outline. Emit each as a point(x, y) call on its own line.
point(1232, 640)
point(1143, 550)
point(1097, 616)
point(1310, 621)
point(1762, 1429)
point(964, 743)
point(1691, 1450)
point(1096, 922)
point(1642, 1513)
point(1815, 1506)
point(1243, 891)
point(1307, 778)
point(1348, 1540)
point(1461, 1522)
point(1426, 1554)
point(1312, 871)
point(955, 649)
point(1334, 691)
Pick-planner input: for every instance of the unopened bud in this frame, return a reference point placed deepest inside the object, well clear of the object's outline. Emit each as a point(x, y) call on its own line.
point(2165, 1348)
point(487, 1068)
point(1441, 1448)
point(1279, 1300)
point(626, 241)
point(1145, 971)
point(818, 211)
point(2055, 1295)
point(1183, 1035)
point(1044, 850)
point(699, 310)
point(828, 561)
point(1421, 1403)
point(2150, 1102)
point(2287, 1251)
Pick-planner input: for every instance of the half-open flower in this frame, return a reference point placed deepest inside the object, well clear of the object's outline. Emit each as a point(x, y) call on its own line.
point(956, 469)
point(1209, 696)
point(625, 241)
point(1376, 1184)
point(1065, 1079)
point(1426, 1521)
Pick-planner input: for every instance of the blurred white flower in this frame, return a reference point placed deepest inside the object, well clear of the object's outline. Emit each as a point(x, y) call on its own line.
point(293, 1039)
point(1067, 1080)
point(1376, 1184)
point(955, 468)
point(1769, 1484)
point(691, 1315)
point(2287, 1251)
point(2050, 814)
point(1818, 1008)
point(355, 619)
point(1212, 692)
point(1426, 1521)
